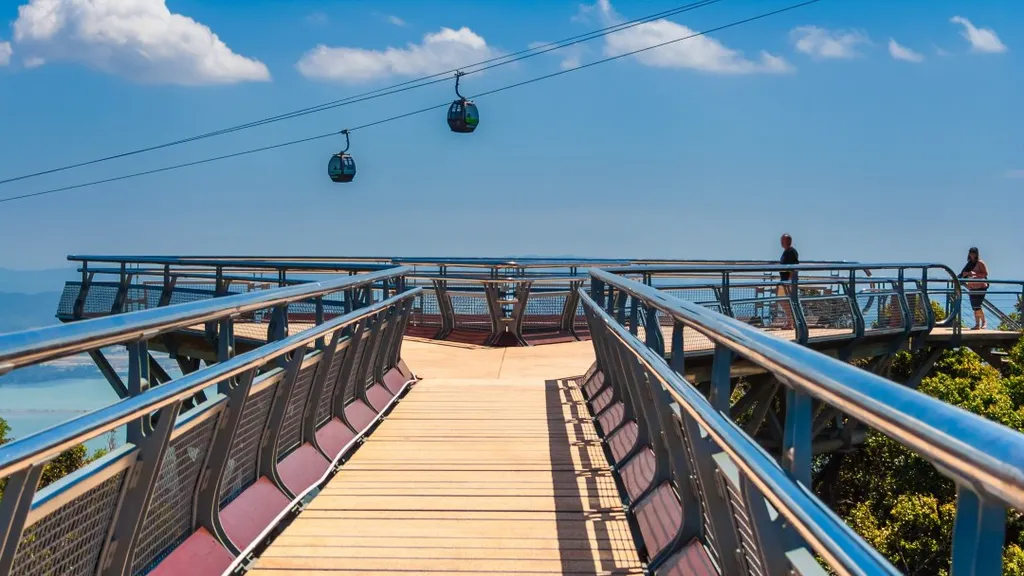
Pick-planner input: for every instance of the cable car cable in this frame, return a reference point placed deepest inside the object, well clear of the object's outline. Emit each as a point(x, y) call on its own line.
point(380, 92)
point(408, 114)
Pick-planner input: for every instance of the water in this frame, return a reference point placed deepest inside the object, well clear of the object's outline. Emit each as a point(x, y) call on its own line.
point(30, 407)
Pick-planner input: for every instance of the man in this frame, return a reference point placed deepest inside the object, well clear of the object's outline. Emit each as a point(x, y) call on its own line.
point(789, 256)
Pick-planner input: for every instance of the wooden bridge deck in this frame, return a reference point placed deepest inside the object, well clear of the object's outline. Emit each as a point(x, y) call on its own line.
point(485, 467)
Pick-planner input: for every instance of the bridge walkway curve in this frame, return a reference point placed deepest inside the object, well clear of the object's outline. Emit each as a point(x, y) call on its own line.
point(489, 465)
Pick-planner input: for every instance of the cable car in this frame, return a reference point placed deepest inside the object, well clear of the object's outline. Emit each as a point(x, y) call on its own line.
point(341, 167)
point(463, 116)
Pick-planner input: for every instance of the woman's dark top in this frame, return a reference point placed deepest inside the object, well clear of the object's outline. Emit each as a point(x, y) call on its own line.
point(789, 256)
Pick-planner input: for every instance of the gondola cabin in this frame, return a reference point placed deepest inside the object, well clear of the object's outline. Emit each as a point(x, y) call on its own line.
point(463, 116)
point(341, 168)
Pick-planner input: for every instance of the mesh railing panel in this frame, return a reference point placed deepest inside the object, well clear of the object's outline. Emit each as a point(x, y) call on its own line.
point(325, 402)
point(291, 427)
point(881, 309)
point(168, 520)
point(544, 312)
point(98, 301)
point(69, 541)
point(350, 385)
point(66, 304)
point(425, 311)
point(382, 337)
point(826, 314)
point(241, 469)
point(469, 305)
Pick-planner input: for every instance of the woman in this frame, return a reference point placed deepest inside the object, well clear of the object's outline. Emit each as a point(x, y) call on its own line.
point(976, 268)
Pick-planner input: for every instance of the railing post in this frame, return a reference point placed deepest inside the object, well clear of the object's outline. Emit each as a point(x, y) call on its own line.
point(678, 360)
point(978, 534)
point(652, 328)
point(721, 378)
point(123, 284)
point(15, 504)
point(796, 440)
point(858, 315)
point(140, 482)
point(167, 290)
point(597, 291)
point(318, 319)
point(78, 310)
point(208, 498)
point(908, 315)
point(799, 322)
point(268, 450)
point(725, 299)
point(634, 316)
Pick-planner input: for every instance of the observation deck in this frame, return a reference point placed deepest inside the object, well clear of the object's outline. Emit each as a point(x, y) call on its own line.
point(365, 415)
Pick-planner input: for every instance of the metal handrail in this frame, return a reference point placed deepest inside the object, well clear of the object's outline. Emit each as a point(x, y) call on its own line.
point(815, 267)
point(301, 261)
point(826, 533)
point(23, 453)
point(989, 455)
point(34, 346)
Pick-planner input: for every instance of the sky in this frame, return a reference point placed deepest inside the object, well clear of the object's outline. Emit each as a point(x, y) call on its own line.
point(871, 130)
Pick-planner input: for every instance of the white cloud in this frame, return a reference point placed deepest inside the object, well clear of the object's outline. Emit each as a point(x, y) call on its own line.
point(139, 39)
point(981, 39)
point(5, 53)
point(571, 56)
point(318, 19)
point(34, 62)
point(443, 50)
point(821, 43)
point(939, 51)
point(397, 21)
point(700, 52)
point(903, 53)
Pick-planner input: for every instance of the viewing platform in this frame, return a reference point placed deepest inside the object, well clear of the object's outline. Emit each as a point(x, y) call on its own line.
point(562, 417)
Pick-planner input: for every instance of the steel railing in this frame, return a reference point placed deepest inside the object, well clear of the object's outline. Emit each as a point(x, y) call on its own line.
point(984, 459)
point(133, 507)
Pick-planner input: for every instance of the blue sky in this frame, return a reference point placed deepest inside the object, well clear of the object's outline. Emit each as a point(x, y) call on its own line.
point(810, 122)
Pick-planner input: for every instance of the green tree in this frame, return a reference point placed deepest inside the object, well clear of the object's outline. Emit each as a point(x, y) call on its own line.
point(63, 464)
point(898, 501)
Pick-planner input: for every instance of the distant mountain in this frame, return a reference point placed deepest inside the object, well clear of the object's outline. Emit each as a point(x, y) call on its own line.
point(35, 281)
point(26, 311)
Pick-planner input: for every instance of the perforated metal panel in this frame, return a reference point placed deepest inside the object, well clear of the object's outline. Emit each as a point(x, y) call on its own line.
point(324, 404)
point(69, 541)
point(291, 428)
point(241, 468)
point(741, 520)
point(381, 338)
point(168, 520)
point(350, 385)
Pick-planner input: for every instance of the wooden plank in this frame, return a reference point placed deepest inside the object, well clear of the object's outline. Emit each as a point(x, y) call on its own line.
point(468, 476)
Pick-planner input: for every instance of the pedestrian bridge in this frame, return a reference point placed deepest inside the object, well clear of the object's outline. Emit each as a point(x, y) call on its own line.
point(488, 416)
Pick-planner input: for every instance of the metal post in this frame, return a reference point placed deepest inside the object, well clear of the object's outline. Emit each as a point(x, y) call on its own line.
point(208, 498)
point(796, 440)
point(140, 482)
point(978, 534)
point(15, 504)
point(721, 378)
